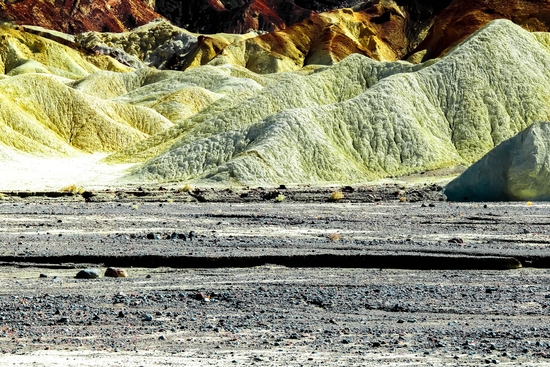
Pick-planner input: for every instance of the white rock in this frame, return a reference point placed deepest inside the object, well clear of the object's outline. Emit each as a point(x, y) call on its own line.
point(517, 169)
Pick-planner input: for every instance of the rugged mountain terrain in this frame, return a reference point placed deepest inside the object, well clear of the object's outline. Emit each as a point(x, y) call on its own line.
point(354, 121)
point(360, 119)
point(462, 18)
point(240, 16)
point(380, 31)
point(300, 32)
point(42, 112)
point(330, 91)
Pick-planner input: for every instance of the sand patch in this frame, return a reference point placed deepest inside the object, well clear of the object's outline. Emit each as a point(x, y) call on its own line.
point(22, 172)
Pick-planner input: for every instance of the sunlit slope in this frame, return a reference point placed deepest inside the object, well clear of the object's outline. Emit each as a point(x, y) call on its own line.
point(249, 98)
point(159, 44)
point(41, 115)
point(323, 39)
point(41, 112)
point(360, 119)
point(174, 94)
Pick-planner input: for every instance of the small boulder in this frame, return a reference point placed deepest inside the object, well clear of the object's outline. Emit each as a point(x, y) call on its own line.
point(88, 274)
point(116, 273)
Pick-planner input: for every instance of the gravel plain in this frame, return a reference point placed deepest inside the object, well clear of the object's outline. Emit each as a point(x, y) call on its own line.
point(300, 282)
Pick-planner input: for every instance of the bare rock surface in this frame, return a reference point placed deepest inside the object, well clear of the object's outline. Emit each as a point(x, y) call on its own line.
point(462, 18)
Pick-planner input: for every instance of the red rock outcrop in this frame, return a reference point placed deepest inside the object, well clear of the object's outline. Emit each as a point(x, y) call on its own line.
point(77, 16)
point(383, 31)
point(462, 18)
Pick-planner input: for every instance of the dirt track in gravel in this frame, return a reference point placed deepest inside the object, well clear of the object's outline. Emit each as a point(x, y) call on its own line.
point(265, 283)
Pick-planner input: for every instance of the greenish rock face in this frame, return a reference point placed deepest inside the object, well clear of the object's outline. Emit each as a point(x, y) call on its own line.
point(517, 169)
point(357, 120)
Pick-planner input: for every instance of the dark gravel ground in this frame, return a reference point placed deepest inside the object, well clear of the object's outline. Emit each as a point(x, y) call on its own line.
point(282, 316)
point(332, 304)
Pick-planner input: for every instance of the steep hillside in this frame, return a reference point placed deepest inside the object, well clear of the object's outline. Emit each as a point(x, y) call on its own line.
point(355, 120)
point(236, 16)
point(517, 169)
point(322, 39)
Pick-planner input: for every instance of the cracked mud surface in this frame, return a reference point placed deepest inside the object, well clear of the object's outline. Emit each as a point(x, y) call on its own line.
point(307, 313)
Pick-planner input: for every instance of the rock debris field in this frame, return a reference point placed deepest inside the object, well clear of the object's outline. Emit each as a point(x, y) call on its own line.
point(294, 283)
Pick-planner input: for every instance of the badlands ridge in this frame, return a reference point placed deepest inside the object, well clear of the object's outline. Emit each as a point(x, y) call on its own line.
point(327, 100)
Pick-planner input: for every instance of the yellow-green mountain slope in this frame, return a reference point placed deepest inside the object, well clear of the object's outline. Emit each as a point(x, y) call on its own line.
point(361, 119)
point(41, 112)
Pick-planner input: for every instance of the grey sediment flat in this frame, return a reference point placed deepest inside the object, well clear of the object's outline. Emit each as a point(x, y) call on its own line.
point(305, 313)
point(387, 234)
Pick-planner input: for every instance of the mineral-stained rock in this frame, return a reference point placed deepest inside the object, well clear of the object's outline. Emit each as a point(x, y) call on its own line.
point(77, 16)
point(361, 119)
point(353, 121)
point(323, 39)
point(158, 44)
point(116, 273)
point(232, 16)
point(382, 31)
point(240, 16)
point(517, 169)
point(22, 52)
point(43, 115)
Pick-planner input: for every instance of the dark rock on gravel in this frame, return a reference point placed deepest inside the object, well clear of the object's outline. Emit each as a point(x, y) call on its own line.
point(88, 274)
